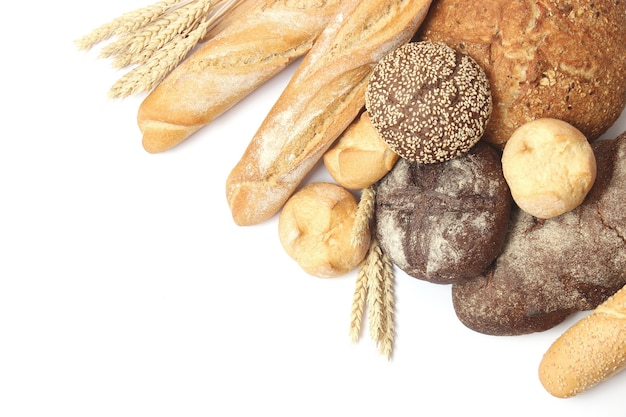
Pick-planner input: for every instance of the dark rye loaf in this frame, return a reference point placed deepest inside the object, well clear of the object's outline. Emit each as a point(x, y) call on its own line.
point(447, 221)
point(552, 268)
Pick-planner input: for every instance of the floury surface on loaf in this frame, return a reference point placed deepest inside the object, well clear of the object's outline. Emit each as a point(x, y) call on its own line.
point(447, 221)
point(254, 42)
point(552, 268)
point(323, 97)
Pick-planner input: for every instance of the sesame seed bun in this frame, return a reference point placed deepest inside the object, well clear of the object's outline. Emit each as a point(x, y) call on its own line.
point(429, 102)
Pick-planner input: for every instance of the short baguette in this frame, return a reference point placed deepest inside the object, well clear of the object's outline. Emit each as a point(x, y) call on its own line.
point(589, 352)
point(257, 40)
point(323, 97)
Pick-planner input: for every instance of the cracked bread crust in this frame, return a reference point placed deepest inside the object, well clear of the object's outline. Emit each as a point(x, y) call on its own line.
point(549, 269)
point(564, 59)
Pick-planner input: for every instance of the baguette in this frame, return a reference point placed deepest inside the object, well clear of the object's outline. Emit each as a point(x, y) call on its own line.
point(323, 97)
point(589, 352)
point(255, 41)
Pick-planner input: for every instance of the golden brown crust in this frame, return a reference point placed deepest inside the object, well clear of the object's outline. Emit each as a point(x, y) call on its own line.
point(359, 157)
point(315, 229)
point(324, 96)
point(549, 166)
point(589, 352)
point(253, 46)
point(564, 59)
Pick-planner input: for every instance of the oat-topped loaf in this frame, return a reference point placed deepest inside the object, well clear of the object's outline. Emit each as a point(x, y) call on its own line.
point(564, 59)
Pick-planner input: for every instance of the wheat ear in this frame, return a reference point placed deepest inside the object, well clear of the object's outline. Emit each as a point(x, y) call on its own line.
point(364, 213)
point(151, 72)
point(358, 302)
point(128, 22)
point(155, 39)
point(375, 298)
point(137, 48)
point(386, 343)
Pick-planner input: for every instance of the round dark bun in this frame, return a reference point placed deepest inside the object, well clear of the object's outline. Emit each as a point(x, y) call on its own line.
point(429, 102)
point(444, 222)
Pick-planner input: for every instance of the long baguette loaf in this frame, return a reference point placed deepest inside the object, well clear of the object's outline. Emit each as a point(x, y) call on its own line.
point(258, 39)
point(323, 97)
point(589, 352)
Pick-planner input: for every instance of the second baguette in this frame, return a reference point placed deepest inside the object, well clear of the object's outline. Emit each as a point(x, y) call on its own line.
point(589, 352)
point(323, 97)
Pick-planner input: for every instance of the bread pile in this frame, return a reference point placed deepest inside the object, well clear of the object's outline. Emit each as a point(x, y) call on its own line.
point(416, 101)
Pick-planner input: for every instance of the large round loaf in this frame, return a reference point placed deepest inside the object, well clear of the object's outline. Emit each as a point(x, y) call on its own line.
point(564, 59)
point(447, 221)
point(552, 268)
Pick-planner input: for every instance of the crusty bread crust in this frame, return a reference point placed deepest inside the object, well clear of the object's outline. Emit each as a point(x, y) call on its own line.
point(257, 40)
point(559, 59)
point(549, 269)
point(589, 352)
point(324, 96)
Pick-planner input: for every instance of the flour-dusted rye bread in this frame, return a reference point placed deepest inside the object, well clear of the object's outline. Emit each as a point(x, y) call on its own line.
point(552, 268)
point(564, 59)
point(444, 222)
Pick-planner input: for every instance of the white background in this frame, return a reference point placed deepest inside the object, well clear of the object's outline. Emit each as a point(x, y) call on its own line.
point(127, 290)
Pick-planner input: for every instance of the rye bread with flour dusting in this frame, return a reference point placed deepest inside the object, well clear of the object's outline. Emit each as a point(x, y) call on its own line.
point(552, 268)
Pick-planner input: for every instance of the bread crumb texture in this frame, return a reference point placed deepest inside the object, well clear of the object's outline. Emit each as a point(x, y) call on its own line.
point(564, 59)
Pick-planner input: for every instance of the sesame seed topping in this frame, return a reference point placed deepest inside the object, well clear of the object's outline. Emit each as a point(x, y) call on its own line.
point(429, 102)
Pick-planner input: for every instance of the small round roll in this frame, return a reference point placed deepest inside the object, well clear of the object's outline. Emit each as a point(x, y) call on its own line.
point(549, 166)
point(359, 157)
point(429, 102)
point(589, 352)
point(315, 229)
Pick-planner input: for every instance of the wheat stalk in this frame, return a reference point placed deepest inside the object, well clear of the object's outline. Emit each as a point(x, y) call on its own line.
point(365, 211)
point(358, 302)
point(128, 22)
point(151, 72)
point(386, 344)
point(374, 288)
point(138, 48)
point(155, 39)
point(375, 299)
